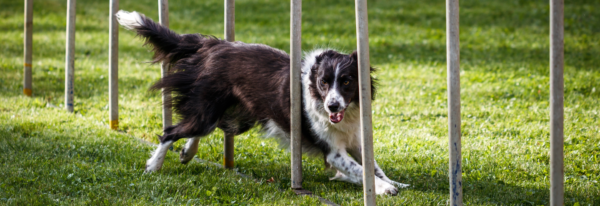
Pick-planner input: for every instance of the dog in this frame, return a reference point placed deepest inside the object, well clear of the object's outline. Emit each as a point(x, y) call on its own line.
point(236, 86)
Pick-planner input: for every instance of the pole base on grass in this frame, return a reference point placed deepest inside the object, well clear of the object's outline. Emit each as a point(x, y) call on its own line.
point(227, 163)
point(301, 191)
point(27, 92)
point(114, 124)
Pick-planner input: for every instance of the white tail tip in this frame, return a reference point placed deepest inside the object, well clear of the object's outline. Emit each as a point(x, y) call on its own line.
point(130, 20)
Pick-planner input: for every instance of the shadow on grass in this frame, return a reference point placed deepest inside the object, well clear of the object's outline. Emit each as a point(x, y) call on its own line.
point(78, 164)
point(509, 18)
point(486, 190)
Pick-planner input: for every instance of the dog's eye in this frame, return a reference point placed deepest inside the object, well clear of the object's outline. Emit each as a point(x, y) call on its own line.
point(346, 82)
point(323, 82)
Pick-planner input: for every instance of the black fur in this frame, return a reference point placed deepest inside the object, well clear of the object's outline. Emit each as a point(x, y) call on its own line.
point(215, 83)
point(233, 85)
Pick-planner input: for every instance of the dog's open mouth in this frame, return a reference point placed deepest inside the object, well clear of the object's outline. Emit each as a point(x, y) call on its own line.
point(336, 117)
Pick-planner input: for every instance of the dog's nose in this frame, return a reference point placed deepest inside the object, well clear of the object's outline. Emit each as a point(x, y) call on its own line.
point(334, 107)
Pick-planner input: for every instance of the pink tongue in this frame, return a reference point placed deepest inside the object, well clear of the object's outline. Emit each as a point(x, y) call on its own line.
point(336, 117)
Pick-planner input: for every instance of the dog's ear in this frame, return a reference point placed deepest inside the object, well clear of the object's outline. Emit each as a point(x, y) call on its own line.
point(325, 55)
point(374, 81)
point(354, 56)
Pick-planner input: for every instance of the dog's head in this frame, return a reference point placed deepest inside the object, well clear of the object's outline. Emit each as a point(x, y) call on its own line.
point(334, 78)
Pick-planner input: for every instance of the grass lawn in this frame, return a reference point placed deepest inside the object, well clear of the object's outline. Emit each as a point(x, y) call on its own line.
point(49, 156)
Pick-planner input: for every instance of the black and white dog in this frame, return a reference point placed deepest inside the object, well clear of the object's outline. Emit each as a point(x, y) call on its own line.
point(235, 86)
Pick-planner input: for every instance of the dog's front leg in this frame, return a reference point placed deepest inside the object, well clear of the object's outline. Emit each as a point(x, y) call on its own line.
point(357, 154)
point(350, 171)
point(158, 157)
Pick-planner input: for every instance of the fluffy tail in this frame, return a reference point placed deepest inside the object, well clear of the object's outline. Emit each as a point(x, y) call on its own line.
point(167, 45)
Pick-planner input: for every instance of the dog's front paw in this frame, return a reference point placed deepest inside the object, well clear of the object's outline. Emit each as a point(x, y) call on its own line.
point(399, 185)
point(151, 168)
point(152, 165)
point(185, 157)
point(339, 176)
point(382, 187)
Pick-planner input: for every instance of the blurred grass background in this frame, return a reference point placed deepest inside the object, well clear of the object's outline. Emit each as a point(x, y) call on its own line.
point(52, 157)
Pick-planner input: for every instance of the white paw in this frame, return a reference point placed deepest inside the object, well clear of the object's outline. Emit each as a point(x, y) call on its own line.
point(153, 165)
point(158, 157)
point(382, 187)
point(399, 185)
point(339, 176)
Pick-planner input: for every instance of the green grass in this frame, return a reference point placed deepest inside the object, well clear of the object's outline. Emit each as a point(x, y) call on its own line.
point(49, 156)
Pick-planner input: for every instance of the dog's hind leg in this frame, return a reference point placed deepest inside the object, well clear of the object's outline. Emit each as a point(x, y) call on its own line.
point(189, 150)
point(200, 115)
point(193, 127)
point(171, 135)
point(158, 157)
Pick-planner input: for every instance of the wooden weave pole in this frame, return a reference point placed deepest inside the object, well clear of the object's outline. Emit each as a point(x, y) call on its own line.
point(27, 50)
point(453, 64)
point(557, 173)
point(70, 55)
point(295, 96)
point(228, 143)
point(113, 65)
point(167, 113)
point(364, 79)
